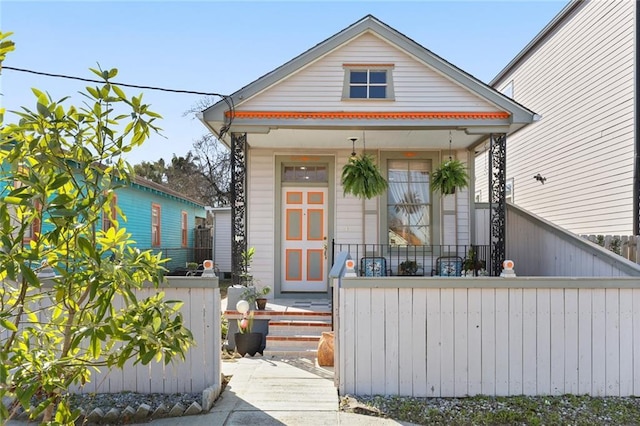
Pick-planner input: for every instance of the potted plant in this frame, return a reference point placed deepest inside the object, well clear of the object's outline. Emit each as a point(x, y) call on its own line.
point(261, 299)
point(472, 265)
point(362, 178)
point(450, 175)
point(408, 267)
point(247, 341)
point(257, 297)
point(247, 258)
point(192, 268)
point(240, 290)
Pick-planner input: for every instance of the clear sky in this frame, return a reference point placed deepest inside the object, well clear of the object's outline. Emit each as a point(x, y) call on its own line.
point(216, 46)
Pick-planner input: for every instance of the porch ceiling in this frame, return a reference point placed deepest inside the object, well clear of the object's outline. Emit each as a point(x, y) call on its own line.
point(391, 139)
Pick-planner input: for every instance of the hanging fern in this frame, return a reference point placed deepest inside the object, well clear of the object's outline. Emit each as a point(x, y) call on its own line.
point(450, 175)
point(361, 177)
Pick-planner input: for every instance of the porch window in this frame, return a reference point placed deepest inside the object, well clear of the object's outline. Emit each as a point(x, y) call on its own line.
point(155, 225)
point(368, 82)
point(409, 202)
point(306, 173)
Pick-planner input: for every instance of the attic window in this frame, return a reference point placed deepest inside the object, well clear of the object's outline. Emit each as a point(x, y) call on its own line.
point(368, 82)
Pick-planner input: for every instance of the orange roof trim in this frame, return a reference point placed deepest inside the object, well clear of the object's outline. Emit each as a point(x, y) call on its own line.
point(342, 115)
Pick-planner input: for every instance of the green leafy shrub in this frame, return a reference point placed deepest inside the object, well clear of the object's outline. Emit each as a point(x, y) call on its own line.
point(59, 167)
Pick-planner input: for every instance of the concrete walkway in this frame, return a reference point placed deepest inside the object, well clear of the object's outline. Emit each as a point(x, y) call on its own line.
point(284, 392)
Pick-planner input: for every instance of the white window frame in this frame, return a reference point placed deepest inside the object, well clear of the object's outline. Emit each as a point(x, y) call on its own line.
point(508, 189)
point(426, 204)
point(507, 89)
point(368, 68)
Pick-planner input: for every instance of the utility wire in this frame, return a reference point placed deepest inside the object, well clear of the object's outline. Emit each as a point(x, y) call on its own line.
point(226, 98)
point(136, 86)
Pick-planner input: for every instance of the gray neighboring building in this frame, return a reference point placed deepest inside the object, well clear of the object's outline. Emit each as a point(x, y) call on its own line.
point(579, 74)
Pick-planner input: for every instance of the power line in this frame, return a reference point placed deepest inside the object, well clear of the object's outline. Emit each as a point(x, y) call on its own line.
point(136, 86)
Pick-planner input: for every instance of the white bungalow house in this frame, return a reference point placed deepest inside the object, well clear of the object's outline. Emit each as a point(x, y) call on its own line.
point(580, 73)
point(366, 87)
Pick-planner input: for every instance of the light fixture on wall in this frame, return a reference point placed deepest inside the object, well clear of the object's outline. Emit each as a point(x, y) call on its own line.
point(353, 140)
point(540, 178)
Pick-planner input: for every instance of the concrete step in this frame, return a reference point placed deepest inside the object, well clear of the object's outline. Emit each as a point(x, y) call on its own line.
point(296, 327)
point(283, 315)
point(309, 341)
point(288, 344)
point(291, 353)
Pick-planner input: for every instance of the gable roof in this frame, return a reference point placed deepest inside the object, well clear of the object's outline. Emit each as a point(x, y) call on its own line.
point(369, 23)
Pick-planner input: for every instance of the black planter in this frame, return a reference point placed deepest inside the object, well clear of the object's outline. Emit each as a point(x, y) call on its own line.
point(248, 343)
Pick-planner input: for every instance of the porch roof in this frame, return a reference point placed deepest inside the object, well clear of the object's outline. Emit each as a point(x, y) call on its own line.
point(279, 127)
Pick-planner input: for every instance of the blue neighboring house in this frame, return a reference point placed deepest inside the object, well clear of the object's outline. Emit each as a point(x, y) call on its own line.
point(159, 218)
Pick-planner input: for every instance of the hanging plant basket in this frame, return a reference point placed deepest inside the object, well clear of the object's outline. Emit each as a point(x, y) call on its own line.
point(362, 178)
point(450, 175)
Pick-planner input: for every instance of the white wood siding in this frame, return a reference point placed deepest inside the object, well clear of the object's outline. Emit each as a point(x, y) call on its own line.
point(482, 225)
point(222, 240)
point(492, 337)
point(318, 87)
point(261, 217)
point(349, 214)
point(581, 81)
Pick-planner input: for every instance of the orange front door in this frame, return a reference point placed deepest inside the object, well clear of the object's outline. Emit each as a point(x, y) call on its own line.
point(304, 237)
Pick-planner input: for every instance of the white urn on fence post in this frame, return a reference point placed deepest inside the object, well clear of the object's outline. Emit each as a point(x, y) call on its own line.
point(507, 269)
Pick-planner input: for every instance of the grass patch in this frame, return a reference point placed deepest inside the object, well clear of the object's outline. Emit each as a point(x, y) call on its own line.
point(516, 410)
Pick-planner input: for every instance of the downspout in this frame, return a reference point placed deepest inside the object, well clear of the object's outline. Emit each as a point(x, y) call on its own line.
point(636, 131)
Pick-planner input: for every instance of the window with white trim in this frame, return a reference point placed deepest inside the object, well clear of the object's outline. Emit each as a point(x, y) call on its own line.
point(185, 224)
point(368, 82)
point(409, 202)
point(507, 90)
point(155, 225)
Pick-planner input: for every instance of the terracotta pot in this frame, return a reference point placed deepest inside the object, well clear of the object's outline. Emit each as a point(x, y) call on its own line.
point(248, 343)
point(325, 349)
point(261, 303)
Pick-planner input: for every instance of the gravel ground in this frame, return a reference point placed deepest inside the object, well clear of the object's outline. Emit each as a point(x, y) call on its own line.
point(107, 401)
point(517, 410)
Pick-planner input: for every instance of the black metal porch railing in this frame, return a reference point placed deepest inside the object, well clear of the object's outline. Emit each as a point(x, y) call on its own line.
point(418, 260)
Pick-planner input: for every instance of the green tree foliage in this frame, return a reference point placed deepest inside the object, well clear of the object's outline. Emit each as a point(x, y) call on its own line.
point(154, 171)
point(202, 179)
point(59, 167)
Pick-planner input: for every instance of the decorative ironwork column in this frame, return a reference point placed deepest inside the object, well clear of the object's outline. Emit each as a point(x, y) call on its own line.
point(238, 204)
point(497, 200)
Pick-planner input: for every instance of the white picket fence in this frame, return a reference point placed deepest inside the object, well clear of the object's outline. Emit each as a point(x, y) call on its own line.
point(202, 367)
point(624, 245)
point(454, 337)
